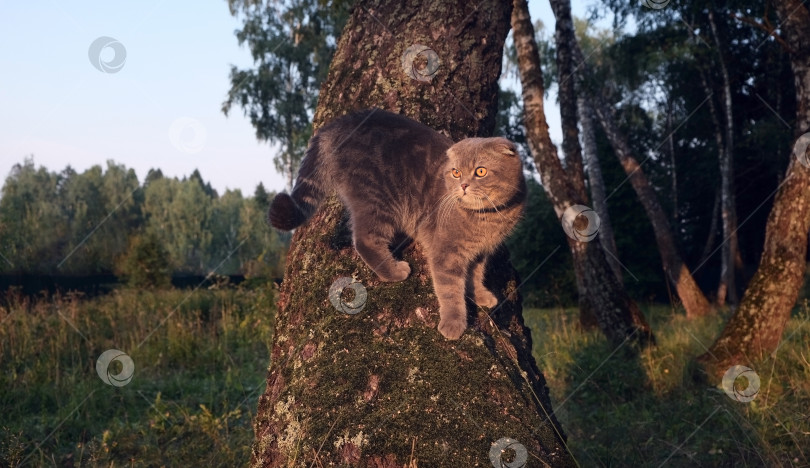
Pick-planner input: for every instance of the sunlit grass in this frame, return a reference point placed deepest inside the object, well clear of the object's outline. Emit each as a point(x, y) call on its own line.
point(620, 410)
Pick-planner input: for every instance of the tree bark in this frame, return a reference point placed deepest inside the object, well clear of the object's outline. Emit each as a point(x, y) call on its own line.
point(383, 388)
point(571, 147)
point(617, 315)
point(597, 184)
point(563, 35)
point(757, 326)
point(730, 252)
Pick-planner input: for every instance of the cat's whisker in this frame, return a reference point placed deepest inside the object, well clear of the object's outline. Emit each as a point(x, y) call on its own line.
point(438, 205)
point(445, 209)
point(435, 209)
point(495, 207)
point(505, 183)
point(452, 204)
point(440, 212)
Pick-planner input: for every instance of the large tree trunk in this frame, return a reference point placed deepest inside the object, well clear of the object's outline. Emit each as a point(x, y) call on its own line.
point(617, 315)
point(688, 291)
point(597, 184)
point(756, 327)
point(383, 388)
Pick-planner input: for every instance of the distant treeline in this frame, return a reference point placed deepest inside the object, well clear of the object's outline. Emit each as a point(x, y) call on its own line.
point(105, 221)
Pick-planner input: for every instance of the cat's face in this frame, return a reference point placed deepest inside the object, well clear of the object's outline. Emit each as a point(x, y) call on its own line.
point(483, 173)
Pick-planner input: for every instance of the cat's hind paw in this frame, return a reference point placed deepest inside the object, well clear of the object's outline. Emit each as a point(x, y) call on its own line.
point(452, 329)
point(484, 298)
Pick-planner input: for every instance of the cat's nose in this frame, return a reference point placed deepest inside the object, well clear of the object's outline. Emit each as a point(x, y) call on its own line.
point(464, 187)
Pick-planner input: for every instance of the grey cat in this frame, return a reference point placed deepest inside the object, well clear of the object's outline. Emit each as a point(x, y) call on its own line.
point(398, 176)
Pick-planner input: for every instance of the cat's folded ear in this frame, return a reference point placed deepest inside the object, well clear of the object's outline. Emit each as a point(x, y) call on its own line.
point(503, 146)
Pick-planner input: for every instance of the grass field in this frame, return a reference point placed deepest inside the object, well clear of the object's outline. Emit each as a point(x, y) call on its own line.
point(197, 378)
point(200, 364)
point(647, 411)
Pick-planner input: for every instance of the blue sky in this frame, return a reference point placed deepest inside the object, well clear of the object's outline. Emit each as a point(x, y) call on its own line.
point(161, 109)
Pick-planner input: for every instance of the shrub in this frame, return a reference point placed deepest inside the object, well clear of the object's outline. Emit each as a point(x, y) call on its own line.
point(145, 263)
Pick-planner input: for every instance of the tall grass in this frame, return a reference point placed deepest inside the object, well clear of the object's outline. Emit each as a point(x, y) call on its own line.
point(190, 402)
point(647, 410)
point(198, 375)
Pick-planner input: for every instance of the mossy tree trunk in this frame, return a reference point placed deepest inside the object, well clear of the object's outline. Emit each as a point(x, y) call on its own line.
point(757, 326)
point(382, 387)
point(617, 315)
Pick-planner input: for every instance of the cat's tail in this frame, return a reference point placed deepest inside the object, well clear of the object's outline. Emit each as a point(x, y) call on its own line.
point(287, 212)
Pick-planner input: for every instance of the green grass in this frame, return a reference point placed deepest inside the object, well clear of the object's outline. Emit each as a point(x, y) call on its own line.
point(191, 401)
point(199, 375)
point(619, 410)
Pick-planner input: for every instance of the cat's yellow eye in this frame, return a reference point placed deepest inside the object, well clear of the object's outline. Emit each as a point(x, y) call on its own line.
point(455, 173)
point(480, 171)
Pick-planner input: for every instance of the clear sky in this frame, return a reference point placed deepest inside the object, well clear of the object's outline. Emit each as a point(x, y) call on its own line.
point(161, 109)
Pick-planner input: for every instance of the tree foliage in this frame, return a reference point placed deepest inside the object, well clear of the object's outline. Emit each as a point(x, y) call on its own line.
point(291, 43)
point(106, 221)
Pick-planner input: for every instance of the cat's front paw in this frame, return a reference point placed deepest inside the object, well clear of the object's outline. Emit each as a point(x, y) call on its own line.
point(485, 298)
point(452, 329)
point(399, 272)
